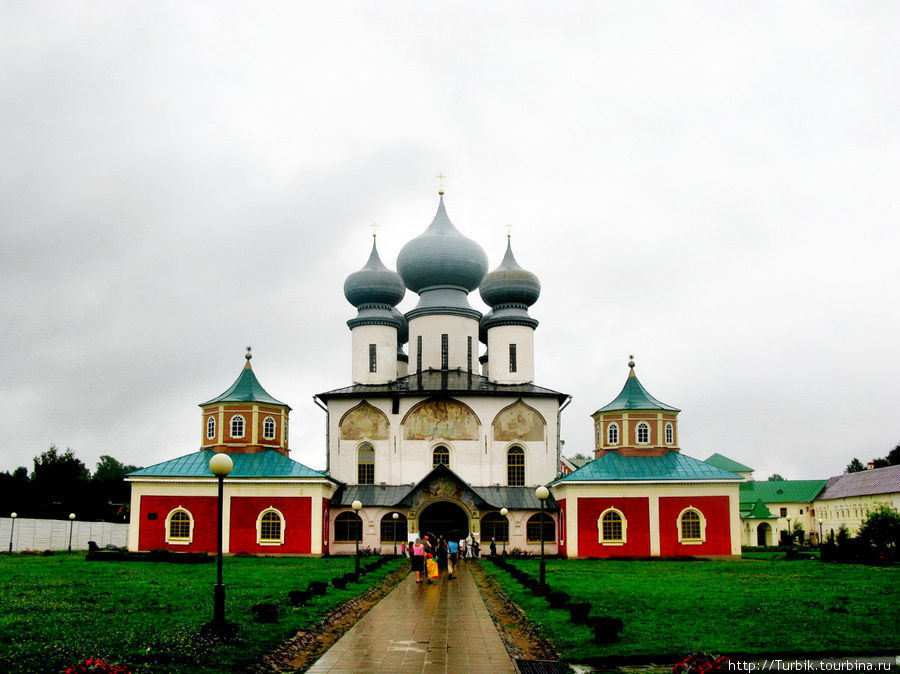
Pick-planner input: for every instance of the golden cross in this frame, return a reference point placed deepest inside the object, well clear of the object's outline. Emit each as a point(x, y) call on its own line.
point(441, 177)
point(508, 230)
point(374, 227)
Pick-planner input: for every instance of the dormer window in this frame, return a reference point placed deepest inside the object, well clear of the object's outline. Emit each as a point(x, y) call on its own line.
point(269, 428)
point(612, 434)
point(237, 426)
point(643, 433)
point(210, 428)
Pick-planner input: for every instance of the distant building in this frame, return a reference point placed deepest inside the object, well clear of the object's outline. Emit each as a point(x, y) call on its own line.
point(848, 499)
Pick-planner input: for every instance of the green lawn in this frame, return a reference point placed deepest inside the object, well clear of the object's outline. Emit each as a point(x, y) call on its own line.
point(57, 610)
point(750, 608)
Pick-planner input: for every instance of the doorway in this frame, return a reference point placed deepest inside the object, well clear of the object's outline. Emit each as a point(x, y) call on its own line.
point(444, 519)
point(762, 534)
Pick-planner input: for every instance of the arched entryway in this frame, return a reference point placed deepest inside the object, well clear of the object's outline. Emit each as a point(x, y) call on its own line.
point(762, 534)
point(444, 518)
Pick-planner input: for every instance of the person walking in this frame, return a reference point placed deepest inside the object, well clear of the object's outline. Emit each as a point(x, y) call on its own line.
point(418, 559)
point(442, 553)
point(452, 557)
point(493, 547)
point(463, 548)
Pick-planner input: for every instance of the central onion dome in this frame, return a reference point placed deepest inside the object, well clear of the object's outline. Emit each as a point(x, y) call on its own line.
point(374, 284)
point(441, 257)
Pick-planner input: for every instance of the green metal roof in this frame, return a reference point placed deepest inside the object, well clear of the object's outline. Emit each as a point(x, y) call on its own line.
point(246, 388)
point(781, 491)
point(757, 511)
point(635, 397)
point(614, 467)
point(725, 463)
point(267, 463)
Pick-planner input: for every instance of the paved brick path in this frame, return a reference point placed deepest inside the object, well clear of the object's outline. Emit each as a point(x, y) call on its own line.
point(444, 627)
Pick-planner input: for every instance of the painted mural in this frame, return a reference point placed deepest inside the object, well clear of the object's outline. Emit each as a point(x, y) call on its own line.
point(446, 419)
point(518, 422)
point(364, 422)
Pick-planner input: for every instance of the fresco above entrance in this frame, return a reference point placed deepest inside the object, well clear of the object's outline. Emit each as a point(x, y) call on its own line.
point(445, 419)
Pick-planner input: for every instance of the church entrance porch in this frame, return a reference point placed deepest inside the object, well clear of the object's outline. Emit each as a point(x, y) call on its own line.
point(444, 518)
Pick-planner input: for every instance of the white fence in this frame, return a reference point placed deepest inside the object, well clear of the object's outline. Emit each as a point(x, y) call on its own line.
point(31, 534)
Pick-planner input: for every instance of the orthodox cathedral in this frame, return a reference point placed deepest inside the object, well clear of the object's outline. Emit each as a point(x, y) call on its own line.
point(442, 431)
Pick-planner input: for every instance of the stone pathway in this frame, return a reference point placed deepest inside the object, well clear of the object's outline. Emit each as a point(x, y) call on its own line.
point(444, 627)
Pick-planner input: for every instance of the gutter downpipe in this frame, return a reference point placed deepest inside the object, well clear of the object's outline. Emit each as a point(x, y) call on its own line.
point(559, 434)
point(327, 434)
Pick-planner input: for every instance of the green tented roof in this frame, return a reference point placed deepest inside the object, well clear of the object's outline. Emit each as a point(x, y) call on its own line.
point(725, 463)
point(267, 463)
point(614, 467)
point(635, 397)
point(781, 491)
point(246, 388)
point(757, 511)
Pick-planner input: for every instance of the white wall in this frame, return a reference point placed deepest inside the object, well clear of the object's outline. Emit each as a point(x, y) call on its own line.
point(34, 534)
point(457, 329)
point(384, 337)
point(499, 338)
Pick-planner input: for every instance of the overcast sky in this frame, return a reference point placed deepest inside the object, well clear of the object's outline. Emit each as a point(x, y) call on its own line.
point(712, 187)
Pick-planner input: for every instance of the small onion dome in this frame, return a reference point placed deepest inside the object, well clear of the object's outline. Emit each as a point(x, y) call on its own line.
point(374, 284)
point(510, 284)
point(442, 257)
point(403, 329)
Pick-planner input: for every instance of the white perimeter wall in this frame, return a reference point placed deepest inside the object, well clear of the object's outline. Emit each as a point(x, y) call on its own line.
point(32, 534)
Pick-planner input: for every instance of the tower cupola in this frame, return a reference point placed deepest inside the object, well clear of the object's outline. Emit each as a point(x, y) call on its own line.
point(635, 423)
point(245, 418)
point(375, 291)
point(507, 329)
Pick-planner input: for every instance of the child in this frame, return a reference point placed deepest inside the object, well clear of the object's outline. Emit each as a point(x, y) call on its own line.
point(432, 567)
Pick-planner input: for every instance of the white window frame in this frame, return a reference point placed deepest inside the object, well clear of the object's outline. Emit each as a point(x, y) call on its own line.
point(621, 515)
point(267, 420)
point(670, 433)
point(637, 433)
point(243, 425)
point(270, 541)
point(691, 541)
point(211, 427)
point(180, 541)
point(613, 426)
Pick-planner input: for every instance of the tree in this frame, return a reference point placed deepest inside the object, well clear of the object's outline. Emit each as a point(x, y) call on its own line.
point(109, 491)
point(892, 459)
point(881, 530)
point(775, 477)
point(854, 466)
point(59, 481)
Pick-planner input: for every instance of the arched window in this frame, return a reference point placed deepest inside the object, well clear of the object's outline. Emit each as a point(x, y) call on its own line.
point(347, 527)
point(237, 426)
point(643, 433)
point(270, 528)
point(494, 525)
point(534, 530)
point(179, 527)
point(515, 467)
point(691, 526)
point(393, 530)
point(269, 428)
point(440, 455)
point(366, 465)
point(670, 434)
point(612, 527)
point(612, 434)
point(210, 427)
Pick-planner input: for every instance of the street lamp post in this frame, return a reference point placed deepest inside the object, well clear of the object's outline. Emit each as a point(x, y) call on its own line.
point(542, 493)
point(505, 512)
point(12, 526)
point(394, 517)
point(220, 466)
point(71, 524)
point(357, 506)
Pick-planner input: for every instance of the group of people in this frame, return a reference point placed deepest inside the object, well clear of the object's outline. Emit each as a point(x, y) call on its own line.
point(432, 556)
